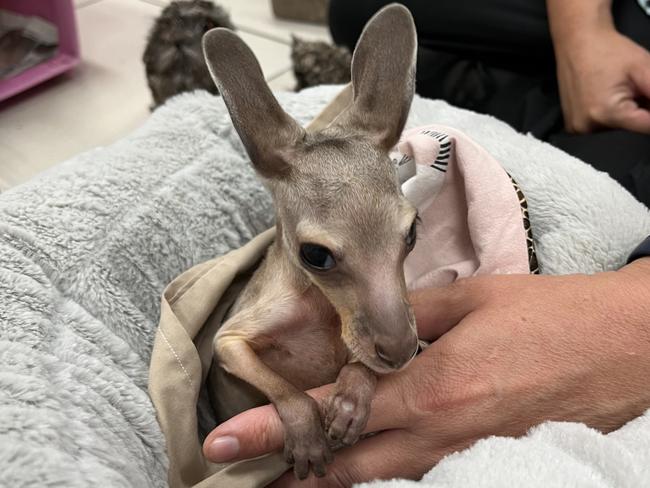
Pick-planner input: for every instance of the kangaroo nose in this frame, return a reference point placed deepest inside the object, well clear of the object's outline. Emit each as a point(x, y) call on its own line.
point(384, 356)
point(394, 355)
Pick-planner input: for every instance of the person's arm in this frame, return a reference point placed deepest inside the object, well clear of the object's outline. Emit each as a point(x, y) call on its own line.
point(571, 18)
point(603, 76)
point(511, 352)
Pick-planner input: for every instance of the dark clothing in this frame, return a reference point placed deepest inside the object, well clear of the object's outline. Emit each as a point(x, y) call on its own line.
point(496, 57)
point(642, 251)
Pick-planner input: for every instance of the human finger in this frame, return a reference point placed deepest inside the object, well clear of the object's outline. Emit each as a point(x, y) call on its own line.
point(390, 454)
point(438, 309)
point(632, 117)
point(259, 430)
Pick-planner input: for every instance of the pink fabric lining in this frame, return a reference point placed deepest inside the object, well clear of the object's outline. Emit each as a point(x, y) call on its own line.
point(472, 222)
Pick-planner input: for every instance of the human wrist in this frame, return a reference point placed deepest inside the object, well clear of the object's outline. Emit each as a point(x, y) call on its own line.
point(575, 24)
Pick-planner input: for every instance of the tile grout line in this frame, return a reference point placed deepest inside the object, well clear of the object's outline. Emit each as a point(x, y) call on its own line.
point(278, 73)
point(241, 27)
point(259, 33)
point(87, 3)
point(155, 3)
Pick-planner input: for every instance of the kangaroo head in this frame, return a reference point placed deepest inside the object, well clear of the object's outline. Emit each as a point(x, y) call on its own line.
point(342, 219)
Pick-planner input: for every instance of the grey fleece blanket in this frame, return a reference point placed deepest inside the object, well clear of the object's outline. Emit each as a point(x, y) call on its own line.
point(86, 250)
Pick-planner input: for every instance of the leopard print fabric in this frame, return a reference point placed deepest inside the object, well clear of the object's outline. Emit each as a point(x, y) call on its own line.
point(533, 265)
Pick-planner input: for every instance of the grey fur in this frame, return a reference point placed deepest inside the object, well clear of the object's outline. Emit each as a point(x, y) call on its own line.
point(173, 59)
point(319, 63)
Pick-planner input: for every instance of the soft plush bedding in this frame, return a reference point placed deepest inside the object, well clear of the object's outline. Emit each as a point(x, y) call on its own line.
point(86, 250)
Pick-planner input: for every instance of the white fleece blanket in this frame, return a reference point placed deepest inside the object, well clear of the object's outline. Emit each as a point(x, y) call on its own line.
point(86, 250)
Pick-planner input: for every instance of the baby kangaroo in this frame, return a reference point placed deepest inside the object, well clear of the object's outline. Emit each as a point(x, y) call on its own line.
point(328, 303)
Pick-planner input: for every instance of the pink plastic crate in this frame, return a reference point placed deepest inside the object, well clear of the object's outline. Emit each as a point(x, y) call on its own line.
point(61, 14)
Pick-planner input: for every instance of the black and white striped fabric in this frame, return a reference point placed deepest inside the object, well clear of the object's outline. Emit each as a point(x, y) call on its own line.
point(442, 159)
point(405, 164)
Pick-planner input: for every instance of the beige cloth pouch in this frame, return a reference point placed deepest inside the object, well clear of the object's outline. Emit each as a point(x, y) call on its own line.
point(193, 308)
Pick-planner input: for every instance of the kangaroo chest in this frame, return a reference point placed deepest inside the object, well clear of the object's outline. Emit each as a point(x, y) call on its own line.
point(296, 336)
point(307, 350)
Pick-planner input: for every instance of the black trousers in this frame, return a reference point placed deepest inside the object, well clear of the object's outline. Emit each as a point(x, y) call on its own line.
point(496, 57)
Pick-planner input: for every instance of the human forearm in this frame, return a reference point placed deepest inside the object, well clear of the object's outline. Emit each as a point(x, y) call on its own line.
point(575, 19)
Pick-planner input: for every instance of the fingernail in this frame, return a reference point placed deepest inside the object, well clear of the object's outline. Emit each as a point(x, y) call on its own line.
point(223, 449)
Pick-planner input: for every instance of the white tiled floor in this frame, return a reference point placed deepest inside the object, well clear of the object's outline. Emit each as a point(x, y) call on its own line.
point(107, 96)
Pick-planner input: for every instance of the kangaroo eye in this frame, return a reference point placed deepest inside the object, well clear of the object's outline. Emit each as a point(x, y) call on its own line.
point(317, 257)
point(411, 237)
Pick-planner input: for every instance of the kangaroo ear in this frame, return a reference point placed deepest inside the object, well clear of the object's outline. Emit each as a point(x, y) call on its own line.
point(383, 76)
point(269, 134)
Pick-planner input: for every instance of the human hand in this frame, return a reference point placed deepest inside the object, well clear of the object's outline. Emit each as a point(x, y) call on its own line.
point(604, 81)
point(512, 352)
